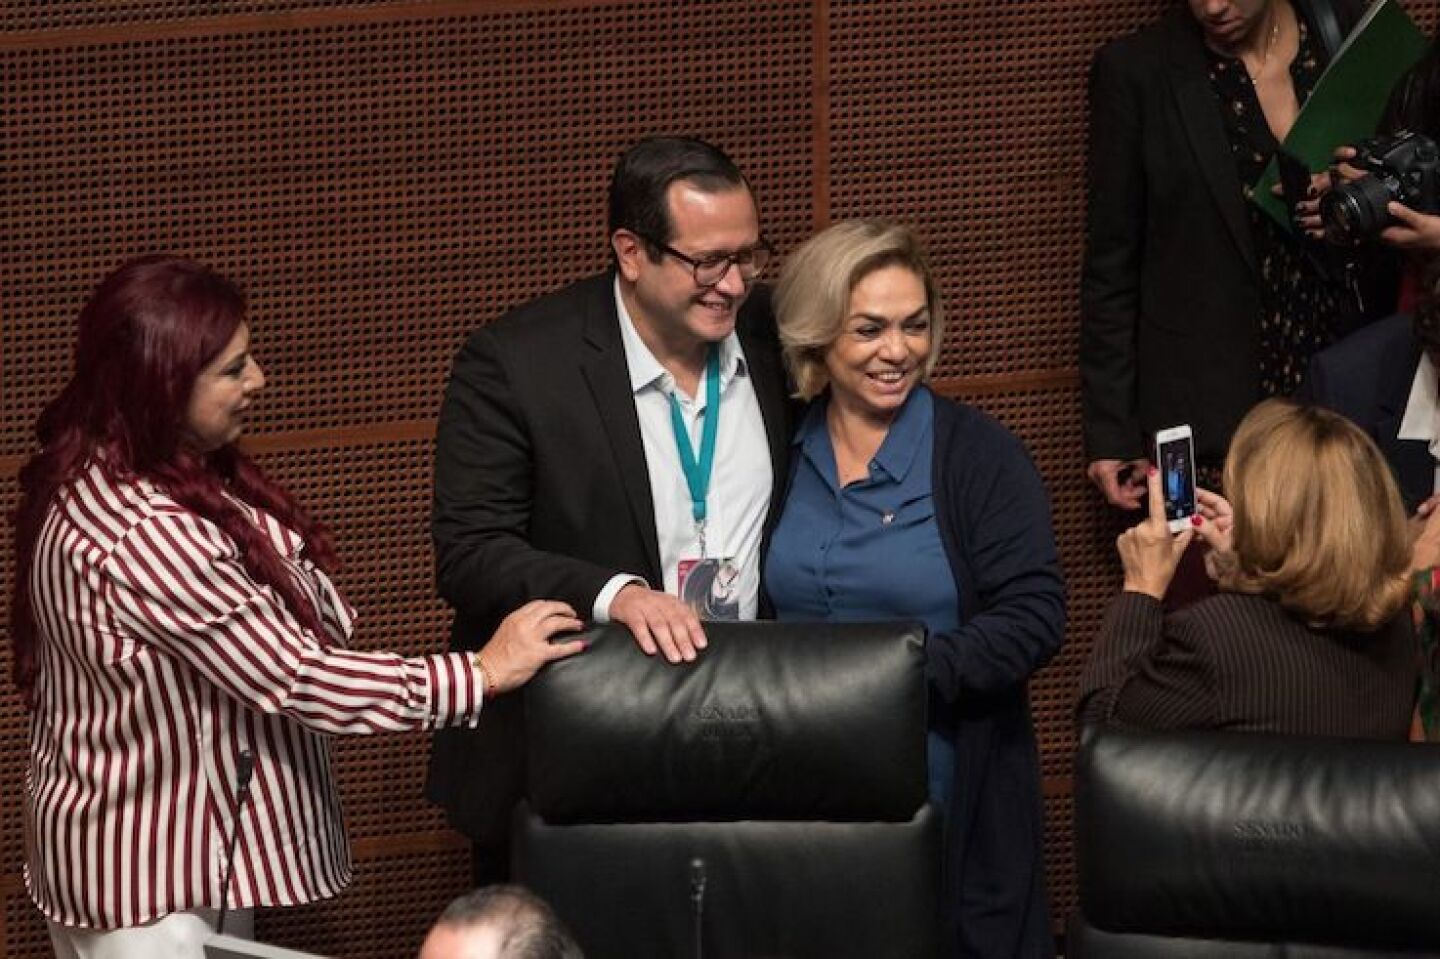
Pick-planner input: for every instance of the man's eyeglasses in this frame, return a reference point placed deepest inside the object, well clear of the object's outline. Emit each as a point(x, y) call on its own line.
point(710, 270)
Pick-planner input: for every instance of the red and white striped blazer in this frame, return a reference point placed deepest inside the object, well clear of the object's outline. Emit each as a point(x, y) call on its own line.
point(160, 660)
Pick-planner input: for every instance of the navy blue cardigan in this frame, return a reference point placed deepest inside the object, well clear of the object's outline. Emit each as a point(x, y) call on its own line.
point(994, 517)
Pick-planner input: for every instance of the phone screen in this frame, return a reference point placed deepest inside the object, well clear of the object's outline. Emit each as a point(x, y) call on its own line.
point(1177, 472)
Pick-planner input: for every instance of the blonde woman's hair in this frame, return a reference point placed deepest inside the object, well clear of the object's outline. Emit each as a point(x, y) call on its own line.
point(812, 296)
point(1319, 524)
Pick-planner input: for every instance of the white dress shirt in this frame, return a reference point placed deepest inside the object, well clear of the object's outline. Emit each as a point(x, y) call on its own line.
point(1421, 412)
point(740, 483)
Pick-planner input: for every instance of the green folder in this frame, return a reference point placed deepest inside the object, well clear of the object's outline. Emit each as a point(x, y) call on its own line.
point(1349, 98)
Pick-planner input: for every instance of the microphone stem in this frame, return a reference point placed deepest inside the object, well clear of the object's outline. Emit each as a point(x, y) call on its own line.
point(697, 904)
point(229, 874)
point(242, 795)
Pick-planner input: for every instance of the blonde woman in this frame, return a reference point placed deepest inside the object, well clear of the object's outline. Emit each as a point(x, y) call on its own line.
point(1310, 632)
point(904, 505)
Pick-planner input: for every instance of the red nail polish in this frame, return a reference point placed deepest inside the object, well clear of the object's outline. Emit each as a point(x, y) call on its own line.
point(1197, 520)
point(1152, 471)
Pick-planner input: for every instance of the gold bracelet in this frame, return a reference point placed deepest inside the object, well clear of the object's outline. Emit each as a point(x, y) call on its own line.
point(487, 680)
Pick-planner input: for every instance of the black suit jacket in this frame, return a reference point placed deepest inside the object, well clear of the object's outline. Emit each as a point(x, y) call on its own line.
point(1170, 292)
point(541, 492)
point(1366, 378)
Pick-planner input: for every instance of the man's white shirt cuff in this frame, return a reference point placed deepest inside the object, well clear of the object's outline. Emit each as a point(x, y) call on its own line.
point(606, 596)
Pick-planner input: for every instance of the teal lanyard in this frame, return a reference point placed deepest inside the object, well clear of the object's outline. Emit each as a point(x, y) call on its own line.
point(697, 474)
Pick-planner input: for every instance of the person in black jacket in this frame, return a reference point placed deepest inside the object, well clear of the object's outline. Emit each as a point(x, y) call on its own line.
point(1195, 305)
point(558, 472)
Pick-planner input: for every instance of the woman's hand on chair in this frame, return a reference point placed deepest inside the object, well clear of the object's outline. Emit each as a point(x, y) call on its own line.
point(523, 644)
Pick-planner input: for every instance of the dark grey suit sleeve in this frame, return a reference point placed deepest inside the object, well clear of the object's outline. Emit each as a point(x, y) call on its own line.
point(1110, 281)
point(486, 566)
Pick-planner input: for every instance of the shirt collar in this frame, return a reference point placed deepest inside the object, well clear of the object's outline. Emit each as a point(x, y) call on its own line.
point(1422, 407)
point(646, 370)
point(911, 427)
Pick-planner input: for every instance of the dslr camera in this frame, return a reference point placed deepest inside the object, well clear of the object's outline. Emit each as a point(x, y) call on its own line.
point(1404, 168)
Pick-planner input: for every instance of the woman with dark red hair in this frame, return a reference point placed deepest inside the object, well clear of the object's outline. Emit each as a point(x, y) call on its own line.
point(181, 646)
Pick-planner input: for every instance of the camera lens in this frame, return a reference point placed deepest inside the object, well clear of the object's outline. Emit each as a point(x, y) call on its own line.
point(1340, 217)
point(1356, 210)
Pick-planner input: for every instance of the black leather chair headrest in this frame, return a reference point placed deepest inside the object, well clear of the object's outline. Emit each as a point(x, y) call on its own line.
point(1263, 837)
point(773, 721)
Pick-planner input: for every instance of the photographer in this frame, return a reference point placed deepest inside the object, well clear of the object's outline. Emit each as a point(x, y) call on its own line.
point(1388, 191)
point(1195, 305)
point(1384, 378)
point(1413, 229)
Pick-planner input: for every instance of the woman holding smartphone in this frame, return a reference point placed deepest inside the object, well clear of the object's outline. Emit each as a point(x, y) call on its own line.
point(1310, 632)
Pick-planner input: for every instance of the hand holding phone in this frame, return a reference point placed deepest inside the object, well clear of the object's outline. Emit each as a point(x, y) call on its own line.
point(1175, 458)
point(1149, 551)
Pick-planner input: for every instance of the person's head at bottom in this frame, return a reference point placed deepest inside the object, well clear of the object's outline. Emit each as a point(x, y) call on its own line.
point(499, 922)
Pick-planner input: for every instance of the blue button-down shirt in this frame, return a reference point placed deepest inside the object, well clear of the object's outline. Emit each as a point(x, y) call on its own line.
point(870, 550)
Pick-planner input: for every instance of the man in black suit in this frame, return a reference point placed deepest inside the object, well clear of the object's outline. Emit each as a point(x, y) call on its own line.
point(607, 443)
point(1384, 380)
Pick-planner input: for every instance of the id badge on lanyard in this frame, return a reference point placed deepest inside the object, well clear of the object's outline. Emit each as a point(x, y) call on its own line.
point(710, 585)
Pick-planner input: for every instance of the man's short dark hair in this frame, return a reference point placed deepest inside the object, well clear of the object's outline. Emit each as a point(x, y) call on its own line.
point(528, 927)
point(643, 175)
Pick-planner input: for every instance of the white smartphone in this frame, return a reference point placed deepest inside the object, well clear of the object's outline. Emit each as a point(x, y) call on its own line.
point(1175, 458)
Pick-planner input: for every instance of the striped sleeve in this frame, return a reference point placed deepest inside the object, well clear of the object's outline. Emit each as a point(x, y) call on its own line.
point(336, 615)
point(1147, 669)
point(178, 583)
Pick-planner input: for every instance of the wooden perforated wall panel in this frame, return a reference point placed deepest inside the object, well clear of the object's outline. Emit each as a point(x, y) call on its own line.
point(384, 177)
